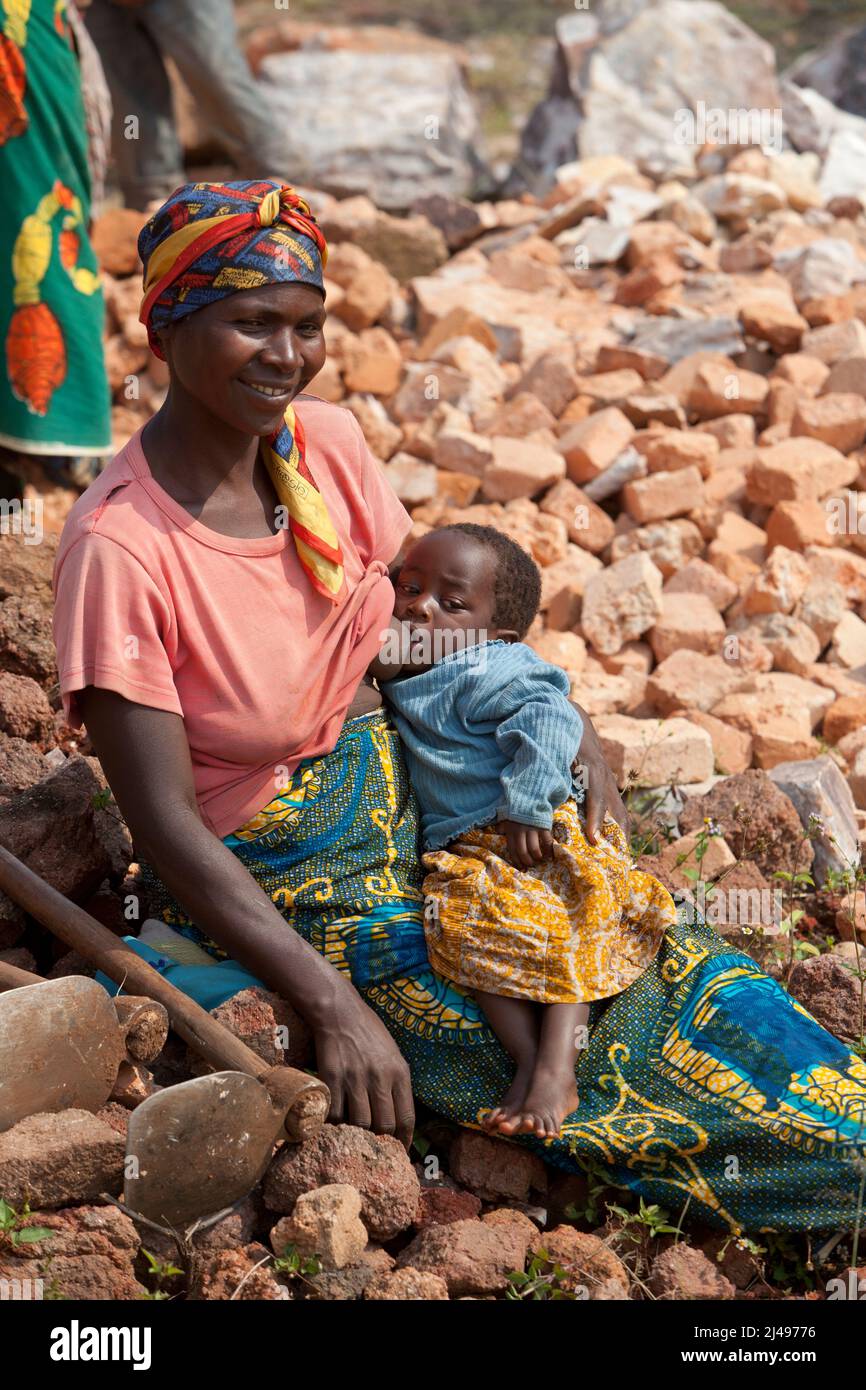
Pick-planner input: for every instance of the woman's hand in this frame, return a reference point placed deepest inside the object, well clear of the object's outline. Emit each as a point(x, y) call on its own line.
point(364, 1070)
point(145, 756)
point(602, 794)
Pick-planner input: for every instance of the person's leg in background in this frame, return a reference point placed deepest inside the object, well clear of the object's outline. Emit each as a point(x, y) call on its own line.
point(201, 38)
point(148, 158)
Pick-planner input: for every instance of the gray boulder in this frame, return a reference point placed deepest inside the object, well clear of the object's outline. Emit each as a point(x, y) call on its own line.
point(673, 338)
point(401, 124)
point(811, 120)
point(827, 266)
point(817, 788)
point(671, 56)
point(618, 120)
point(632, 68)
point(837, 71)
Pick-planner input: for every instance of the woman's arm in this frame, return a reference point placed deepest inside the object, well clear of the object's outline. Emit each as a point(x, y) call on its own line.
point(145, 756)
point(602, 793)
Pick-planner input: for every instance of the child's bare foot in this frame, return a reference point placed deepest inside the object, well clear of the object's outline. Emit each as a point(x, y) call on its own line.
point(512, 1102)
point(548, 1100)
point(516, 1024)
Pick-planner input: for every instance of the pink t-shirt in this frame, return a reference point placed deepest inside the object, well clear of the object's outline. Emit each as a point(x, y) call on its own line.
point(228, 633)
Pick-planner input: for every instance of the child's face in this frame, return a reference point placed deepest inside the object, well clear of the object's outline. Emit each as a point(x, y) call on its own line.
point(446, 586)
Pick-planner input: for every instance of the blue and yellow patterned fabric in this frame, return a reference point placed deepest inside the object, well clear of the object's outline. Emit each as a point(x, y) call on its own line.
point(703, 1087)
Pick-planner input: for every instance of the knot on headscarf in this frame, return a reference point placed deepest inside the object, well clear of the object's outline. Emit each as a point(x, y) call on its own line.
point(210, 240)
point(269, 208)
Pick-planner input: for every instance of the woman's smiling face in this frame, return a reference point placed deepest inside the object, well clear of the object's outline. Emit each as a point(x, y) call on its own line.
point(246, 356)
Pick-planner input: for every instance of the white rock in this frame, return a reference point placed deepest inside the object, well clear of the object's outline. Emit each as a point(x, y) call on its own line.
point(844, 172)
point(621, 602)
point(817, 788)
point(657, 752)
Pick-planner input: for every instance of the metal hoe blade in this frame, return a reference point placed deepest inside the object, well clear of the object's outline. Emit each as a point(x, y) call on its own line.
point(60, 1048)
point(197, 1147)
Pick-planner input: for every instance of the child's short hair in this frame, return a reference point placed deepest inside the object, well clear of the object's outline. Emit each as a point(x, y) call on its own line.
point(517, 586)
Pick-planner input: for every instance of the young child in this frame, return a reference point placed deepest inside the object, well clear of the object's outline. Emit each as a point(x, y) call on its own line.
point(522, 911)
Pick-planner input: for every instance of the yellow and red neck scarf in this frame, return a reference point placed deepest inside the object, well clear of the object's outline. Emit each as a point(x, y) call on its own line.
point(210, 240)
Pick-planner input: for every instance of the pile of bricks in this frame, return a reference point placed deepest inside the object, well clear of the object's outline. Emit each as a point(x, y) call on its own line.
point(658, 390)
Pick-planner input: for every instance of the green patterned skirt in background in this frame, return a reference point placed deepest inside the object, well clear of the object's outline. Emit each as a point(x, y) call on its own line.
point(703, 1084)
point(54, 397)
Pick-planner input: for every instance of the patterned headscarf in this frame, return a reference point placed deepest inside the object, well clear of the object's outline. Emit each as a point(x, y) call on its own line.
point(210, 240)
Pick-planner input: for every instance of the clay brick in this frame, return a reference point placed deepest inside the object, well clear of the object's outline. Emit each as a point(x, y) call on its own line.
point(691, 679)
point(663, 495)
point(780, 585)
point(57, 1160)
point(798, 470)
point(775, 320)
point(807, 374)
point(719, 390)
point(732, 748)
point(367, 295)
point(463, 451)
point(610, 388)
point(798, 524)
point(519, 417)
point(552, 379)
point(682, 855)
point(621, 602)
point(847, 376)
point(698, 577)
point(732, 431)
point(655, 754)
point(835, 340)
point(588, 526)
point(520, 468)
point(373, 362)
point(792, 644)
point(591, 446)
point(848, 644)
point(688, 621)
point(838, 419)
point(674, 449)
point(846, 715)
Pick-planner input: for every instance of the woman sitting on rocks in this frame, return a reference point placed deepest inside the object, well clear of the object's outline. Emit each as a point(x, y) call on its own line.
point(221, 590)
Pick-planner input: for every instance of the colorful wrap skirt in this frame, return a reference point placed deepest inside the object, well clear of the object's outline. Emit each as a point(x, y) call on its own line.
point(582, 925)
point(703, 1086)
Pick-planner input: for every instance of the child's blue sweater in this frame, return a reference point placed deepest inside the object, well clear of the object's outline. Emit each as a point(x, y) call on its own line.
point(489, 733)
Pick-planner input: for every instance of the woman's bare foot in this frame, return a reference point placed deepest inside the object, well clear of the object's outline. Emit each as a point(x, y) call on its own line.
point(549, 1098)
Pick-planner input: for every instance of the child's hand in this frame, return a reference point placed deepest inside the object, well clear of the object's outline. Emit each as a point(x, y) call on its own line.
point(527, 845)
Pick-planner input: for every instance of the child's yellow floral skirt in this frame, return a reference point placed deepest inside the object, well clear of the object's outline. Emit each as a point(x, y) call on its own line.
point(583, 925)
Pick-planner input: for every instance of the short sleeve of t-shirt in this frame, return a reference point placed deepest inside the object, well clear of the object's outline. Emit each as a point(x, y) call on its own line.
point(387, 522)
point(113, 627)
